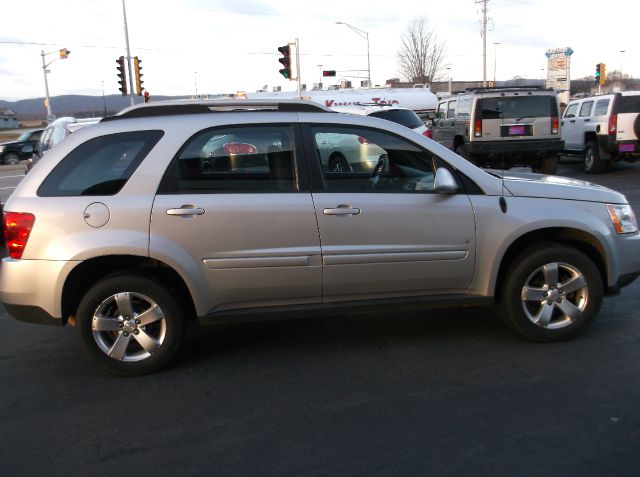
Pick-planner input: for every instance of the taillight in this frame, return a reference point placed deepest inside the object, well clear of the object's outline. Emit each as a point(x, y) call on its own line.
point(477, 128)
point(554, 125)
point(427, 133)
point(17, 227)
point(613, 124)
point(362, 140)
point(239, 148)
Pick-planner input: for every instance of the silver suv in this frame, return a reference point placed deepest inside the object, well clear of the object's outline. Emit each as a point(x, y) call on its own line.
point(502, 127)
point(603, 129)
point(223, 211)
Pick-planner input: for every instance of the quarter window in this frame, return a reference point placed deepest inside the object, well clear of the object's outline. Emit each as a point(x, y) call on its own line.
point(237, 159)
point(365, 160)
point(100, 166)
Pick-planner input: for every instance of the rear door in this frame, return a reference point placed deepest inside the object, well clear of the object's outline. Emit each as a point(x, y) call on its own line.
point(234, 213)
point(385, 232)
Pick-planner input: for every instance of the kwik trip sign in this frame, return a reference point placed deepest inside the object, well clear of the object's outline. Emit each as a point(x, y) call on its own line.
point(558, 68)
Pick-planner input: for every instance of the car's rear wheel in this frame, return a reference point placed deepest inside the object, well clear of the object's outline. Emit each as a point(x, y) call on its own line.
point(592, 162)
point(546, 165)
point(11, 159)
point(636, 126)
point(339, 163)
point(130, 325)
point(551, 292)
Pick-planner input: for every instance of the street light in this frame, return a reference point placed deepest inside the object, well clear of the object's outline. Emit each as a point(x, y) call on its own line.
point(449, 75)
point(621, 53)
point(364, 35)
point(63, 54)
point(495, 61)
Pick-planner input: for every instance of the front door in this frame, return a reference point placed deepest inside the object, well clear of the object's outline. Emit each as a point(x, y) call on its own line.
point(383, 229)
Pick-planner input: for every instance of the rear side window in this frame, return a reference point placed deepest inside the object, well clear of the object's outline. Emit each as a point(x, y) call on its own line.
point(100, 166)
point(517, 107)
point(406, 117)
point(235, 159)
point(585, 109)
point(629, 104)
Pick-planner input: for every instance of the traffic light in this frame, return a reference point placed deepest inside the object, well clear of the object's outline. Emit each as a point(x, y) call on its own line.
point(328, 72)
point(122, 76)
point(597, 78)
point(64, 53)
point(285, 51)
point(603, 73)
point(146, 97)
point(138, 76)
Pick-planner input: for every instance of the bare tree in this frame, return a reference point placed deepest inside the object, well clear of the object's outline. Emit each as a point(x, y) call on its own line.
point(422, 54)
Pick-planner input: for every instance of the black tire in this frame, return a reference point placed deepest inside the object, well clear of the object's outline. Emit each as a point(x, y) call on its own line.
point(338, 163)
point(142, 347)
point(11, 159)
point(573, 292)
point(636, 127)
point(592, 162)
point(546, 165)
point(461, 150)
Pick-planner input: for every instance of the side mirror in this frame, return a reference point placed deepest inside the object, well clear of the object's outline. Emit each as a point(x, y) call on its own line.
point(444, 182)
point(27, 149)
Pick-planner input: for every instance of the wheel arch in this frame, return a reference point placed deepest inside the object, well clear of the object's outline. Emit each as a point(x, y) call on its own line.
point(89, 272)
point(579, 239)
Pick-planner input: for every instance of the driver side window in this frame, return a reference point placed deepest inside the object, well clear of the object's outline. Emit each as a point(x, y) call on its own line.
point(371, 161)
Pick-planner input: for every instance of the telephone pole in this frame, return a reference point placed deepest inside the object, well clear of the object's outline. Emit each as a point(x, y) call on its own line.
point(484, 41)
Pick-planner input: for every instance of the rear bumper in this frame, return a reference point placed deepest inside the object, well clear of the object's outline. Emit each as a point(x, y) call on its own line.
point(622, 149)
point(32, 314)
point(526, 147)
point(31, 290)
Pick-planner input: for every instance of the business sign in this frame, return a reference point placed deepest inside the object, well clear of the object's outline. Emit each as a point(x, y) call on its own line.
point(558, 68)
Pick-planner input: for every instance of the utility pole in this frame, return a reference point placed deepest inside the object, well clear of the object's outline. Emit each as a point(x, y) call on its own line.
point(484, 41)
point(126, 38)
point(298, 67)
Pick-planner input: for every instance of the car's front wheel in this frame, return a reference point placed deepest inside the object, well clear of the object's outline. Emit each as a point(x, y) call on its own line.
point(130, 324)
point(551, 292)
point(11, 159)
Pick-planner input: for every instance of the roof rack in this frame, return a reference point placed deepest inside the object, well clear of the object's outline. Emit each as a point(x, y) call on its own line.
point(507, 88)
point(169, 108)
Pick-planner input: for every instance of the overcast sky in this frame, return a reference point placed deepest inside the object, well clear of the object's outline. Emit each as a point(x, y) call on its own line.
point(224, 46)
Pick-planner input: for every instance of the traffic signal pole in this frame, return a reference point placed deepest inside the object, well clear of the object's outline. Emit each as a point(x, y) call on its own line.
point(126, 37)
point(298, 68)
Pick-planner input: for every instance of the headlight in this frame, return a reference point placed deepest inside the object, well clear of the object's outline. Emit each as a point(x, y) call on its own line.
point(1, 149)
point(623, 218)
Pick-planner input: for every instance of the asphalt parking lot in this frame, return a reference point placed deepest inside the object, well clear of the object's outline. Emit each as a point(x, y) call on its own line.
point(443, 392)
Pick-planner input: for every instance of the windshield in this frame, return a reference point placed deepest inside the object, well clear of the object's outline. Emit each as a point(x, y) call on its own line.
point(24, 136)
point(517, 107)
point(406, 117)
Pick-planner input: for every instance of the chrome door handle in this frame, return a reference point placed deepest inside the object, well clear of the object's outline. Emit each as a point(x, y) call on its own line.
point(185, 211)
point(342, 210)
